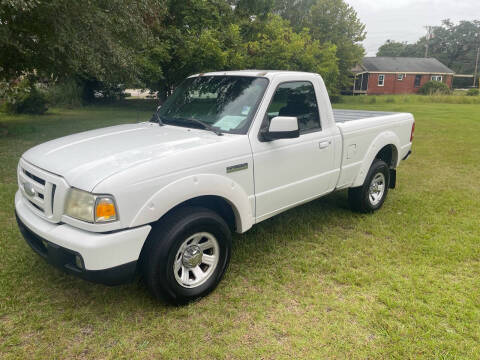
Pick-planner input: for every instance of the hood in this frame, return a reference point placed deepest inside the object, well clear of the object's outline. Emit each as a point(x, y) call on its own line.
point(87, 158)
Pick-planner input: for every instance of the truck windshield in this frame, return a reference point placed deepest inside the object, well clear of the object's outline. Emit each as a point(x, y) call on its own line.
point(225, 103)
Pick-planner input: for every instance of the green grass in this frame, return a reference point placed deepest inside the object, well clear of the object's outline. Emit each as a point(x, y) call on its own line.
point(410, 99)
point(315, 282)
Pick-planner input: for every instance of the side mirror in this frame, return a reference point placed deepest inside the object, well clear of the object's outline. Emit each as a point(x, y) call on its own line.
point(282, 127)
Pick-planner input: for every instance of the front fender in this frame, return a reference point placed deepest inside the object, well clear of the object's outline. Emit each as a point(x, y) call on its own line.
point(383, 139)
point(194, 186)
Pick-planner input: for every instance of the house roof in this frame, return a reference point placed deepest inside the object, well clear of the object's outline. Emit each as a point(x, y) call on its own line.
point(402, 65)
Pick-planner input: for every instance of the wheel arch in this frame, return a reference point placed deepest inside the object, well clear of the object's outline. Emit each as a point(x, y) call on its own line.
point(385, 147)
point(217, 204)
point(215, 192)
point(389, 154)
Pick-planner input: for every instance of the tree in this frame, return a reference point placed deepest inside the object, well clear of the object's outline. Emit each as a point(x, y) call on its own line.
point(336, 22)
point(392, 48)
point(192, 36)
point(157, 43)
point(277, 46)
point(296, 11)
point(225, 40)
point(455, 45)
point(401, 49)
point(253, 8)
point(326, 21)
point(89, 40)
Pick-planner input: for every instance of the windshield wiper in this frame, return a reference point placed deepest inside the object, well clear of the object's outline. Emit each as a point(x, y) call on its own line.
point(203, 124)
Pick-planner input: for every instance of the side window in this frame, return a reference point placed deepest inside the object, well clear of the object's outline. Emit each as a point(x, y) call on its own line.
point(296, 99)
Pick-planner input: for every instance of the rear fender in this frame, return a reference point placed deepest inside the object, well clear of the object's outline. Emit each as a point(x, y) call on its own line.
point(383, 139)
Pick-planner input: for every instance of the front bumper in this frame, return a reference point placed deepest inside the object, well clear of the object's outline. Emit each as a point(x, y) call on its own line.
point(108, 258)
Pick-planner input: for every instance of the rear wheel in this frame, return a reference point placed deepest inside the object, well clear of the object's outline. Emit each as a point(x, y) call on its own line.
point(186, 254)
point(372, 194)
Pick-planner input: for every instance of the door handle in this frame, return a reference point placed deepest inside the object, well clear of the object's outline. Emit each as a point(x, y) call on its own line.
point(324, 144)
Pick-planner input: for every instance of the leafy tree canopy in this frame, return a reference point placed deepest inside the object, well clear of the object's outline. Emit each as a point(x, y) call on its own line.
point(401, 49)
point(455, 45)
point(61, 38)
point(277, 46)
point(157, 43)
point(336, 22)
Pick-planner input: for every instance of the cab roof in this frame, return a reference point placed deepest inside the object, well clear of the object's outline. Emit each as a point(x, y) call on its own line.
point(254, 73)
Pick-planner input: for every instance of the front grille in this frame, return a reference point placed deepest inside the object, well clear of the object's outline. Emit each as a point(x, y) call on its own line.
point(46, 186)
point(36, 206)
point(37, 200)
point(34, 177)
point(54, 187)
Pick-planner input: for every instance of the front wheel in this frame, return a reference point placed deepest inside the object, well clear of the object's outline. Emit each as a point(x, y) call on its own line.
point(372, 194)
point(186, 254)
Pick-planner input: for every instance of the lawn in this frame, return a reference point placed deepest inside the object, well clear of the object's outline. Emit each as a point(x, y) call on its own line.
point(315, 282)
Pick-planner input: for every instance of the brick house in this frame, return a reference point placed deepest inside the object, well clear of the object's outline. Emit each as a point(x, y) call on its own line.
point(398, 75)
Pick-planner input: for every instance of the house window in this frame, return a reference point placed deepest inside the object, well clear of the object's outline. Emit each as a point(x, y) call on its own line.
point(381, 80)
point(400, 77)
point(436, 78)
point(418, 80)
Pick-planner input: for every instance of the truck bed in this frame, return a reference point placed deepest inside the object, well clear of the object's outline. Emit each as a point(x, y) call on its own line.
point(343, 116)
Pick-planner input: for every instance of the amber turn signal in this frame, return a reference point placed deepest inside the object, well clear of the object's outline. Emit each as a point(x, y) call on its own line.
point(105, 210)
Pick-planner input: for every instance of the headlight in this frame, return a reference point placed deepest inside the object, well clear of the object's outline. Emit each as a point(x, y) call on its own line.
point(89, 207)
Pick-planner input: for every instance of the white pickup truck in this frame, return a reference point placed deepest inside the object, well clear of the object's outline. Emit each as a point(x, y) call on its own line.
point(224, 152)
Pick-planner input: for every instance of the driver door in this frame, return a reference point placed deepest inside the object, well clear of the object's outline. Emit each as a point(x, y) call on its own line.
point(291, 171)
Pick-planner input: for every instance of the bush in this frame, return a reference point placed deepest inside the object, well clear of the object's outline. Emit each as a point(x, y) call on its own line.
point(434, 88)
point(72, 93)
point(473, 92)
point(25, 98)
point(335, 99)
point(66, 93)
point(94, 91)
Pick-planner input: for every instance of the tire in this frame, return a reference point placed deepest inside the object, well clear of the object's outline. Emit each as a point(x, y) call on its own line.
point(365, 199)
point(170, 257)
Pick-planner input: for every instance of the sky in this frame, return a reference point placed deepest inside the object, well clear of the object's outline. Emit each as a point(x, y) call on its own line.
point(405, 20)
